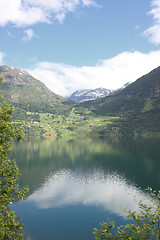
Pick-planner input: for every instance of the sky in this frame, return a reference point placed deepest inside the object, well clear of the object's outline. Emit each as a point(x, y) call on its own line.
point(81, 44)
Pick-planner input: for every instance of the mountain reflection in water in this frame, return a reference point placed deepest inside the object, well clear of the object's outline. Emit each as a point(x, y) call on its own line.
point(75, 185)
point(136, 160)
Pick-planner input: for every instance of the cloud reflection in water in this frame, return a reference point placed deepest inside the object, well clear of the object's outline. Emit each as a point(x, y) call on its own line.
point(111, 191)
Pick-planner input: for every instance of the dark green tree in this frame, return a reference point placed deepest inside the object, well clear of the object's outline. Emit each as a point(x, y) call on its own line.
point(10, 225)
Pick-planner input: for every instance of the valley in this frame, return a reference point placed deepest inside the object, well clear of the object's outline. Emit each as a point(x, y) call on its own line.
point(75, 125)
point(130, 111)
point(92, 146)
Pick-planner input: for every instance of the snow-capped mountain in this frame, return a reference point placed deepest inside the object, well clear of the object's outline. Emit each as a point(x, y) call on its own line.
point(92, 94)
point(89, 94)
point(124, 86)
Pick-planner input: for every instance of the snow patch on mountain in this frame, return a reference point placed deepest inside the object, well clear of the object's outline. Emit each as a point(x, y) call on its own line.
point(92, 94)
point(89, 94)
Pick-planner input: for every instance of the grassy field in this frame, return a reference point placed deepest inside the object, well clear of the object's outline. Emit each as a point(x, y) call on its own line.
point(75, 125)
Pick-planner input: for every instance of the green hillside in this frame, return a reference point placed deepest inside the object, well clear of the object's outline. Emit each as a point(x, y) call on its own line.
point(133, 111)
point(138, 105)
point(28, 94)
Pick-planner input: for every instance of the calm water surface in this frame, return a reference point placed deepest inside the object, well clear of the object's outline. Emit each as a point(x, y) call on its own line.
point(78, 184)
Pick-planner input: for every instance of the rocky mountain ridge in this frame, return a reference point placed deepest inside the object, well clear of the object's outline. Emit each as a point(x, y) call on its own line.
point(89, 94)
point(28, 93)
point(92, 94)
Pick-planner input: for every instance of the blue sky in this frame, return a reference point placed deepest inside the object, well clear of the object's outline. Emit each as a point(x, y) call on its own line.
point(77, 44)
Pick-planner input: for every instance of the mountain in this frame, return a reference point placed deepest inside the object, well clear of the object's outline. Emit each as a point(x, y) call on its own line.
point(89, 94)
point(136, 108)
point(92, 94)
point(28, 93)
point(138, 104)
point(119, 89)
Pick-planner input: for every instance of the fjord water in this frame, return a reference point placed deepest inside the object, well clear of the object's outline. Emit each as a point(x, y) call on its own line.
point(75, 185)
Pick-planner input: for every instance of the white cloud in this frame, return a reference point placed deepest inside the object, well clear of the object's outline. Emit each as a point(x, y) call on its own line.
point(14, 11)
point(29, 34)
point(110, 73)
point(29, 12)
point(9, 34)
point(112, 192)
point(89, 3)
point(1, 58)
point(153, 33)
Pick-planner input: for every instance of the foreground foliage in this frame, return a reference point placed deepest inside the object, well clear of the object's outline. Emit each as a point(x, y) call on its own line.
point(10, 225)
point(146, 223)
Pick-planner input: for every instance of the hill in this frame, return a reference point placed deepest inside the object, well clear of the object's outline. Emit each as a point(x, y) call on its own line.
point(29, 94)
point(138, 104)
point(134, 110)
